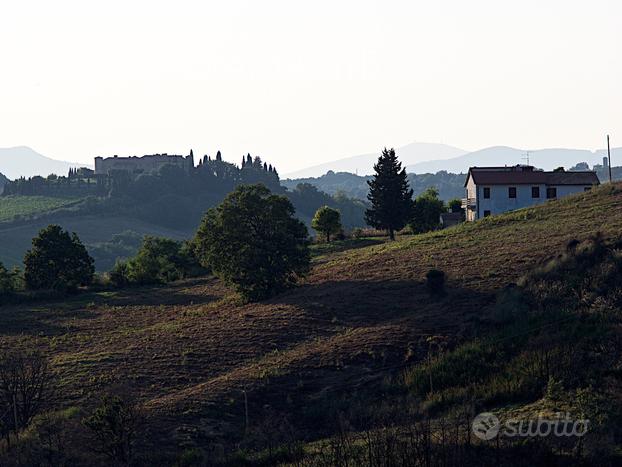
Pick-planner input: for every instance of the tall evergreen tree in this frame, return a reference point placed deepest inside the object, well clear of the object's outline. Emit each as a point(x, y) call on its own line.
point(389, 194)
point(218, 156)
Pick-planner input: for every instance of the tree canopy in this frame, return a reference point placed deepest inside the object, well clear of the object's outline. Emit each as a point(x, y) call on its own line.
point(427, 211)
point(57, 260)
point(389, 194)
point(326, 221)
point(253, 242)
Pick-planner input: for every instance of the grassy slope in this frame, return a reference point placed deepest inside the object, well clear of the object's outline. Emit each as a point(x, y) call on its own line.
point(189, 349)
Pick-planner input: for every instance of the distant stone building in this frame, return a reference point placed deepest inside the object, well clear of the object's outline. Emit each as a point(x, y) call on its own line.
point(493, 190)
point(144, 164)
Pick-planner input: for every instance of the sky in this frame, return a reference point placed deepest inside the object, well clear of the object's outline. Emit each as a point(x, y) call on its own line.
point(301, 83)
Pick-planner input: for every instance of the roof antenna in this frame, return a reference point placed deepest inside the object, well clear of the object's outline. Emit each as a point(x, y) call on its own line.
point(526, 157)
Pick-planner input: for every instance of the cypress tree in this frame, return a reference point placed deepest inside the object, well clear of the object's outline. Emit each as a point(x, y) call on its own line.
point(389, 194)
point(218, 156)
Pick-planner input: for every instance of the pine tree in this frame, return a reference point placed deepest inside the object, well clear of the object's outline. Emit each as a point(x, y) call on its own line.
point(243, 161)
point(389, 194)
point(218, 156)
point(249, 159)
point(265, 166)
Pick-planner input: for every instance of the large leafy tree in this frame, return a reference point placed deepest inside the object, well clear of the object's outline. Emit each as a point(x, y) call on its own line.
point(389, 194)
point(326, 221)
point(427, 211)
point(57, 260)
point(253, 242)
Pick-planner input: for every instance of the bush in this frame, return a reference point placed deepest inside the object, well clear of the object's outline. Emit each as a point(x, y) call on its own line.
point(158, 261)
point(435, 280)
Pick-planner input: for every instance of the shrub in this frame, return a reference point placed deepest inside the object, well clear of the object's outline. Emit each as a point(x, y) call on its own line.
point(158, 261)
point(435, 280)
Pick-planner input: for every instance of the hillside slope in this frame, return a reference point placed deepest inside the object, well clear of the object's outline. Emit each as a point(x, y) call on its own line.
point(189, 350)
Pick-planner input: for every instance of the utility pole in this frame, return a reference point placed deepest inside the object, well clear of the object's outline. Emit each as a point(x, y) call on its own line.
point(609, 158)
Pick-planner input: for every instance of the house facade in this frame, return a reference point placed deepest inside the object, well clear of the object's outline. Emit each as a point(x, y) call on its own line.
point(494, 190)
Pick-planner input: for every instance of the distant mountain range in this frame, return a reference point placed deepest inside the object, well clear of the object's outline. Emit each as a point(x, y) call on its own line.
point(431, 158)
point(364, 164)
point(22, 161)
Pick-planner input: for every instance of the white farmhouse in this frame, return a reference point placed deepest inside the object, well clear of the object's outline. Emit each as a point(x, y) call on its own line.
point(493, 190)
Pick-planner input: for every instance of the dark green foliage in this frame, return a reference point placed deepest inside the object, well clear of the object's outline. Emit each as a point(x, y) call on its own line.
point(327, 221)
point(389, 194)
point(435, 281)
point(253, 242)
point(114, 427)
point(158, 261)
point(455, 205)
point(427, 211)
point(57, 260)
point(9, 280)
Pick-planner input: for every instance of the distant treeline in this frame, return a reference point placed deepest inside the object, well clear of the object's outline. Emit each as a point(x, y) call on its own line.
point(449, 185)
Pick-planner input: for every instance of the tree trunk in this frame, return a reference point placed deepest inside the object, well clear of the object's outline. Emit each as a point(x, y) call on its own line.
point(327, 237)
point(391, 233)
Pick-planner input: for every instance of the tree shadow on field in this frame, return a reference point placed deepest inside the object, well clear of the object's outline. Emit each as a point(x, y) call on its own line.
point(373, 302)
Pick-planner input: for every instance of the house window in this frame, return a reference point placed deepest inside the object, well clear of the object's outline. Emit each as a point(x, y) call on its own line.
point(486, 192)
point(486, 213)
point(512, 192)
point(587, 188)
point(551, 193)
point(535, 191)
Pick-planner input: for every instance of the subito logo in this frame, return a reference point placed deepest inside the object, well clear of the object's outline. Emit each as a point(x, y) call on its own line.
point(486, 426)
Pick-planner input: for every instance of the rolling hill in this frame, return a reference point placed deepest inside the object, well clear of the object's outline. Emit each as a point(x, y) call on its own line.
point(22, 161)
point(193, 354)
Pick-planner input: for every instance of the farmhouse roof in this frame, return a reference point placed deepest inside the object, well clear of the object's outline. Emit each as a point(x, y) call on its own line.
point(527, 176)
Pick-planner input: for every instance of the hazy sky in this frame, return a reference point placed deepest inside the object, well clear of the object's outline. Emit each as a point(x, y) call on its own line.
point(300, 83)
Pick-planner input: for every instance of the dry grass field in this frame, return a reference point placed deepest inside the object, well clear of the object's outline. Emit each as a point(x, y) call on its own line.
point(190, 350)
